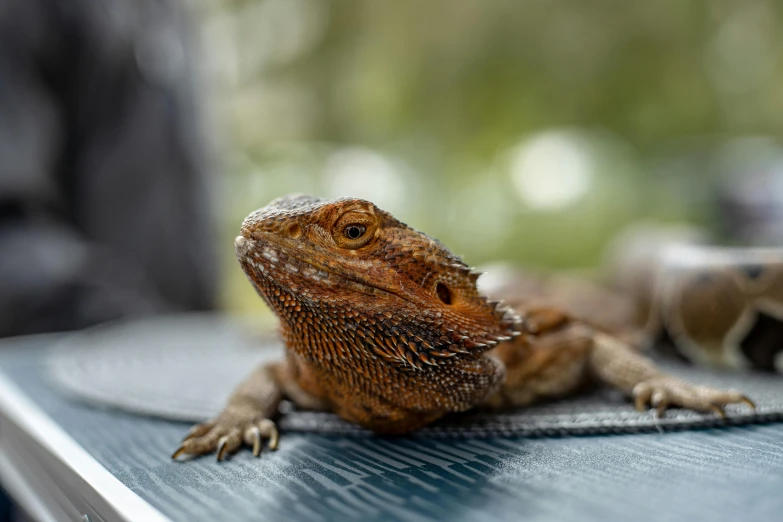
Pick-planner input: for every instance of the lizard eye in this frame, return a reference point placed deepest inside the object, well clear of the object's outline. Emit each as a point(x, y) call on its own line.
point(354, 231)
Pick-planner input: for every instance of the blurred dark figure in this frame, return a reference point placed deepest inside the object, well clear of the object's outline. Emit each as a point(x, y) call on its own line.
point(104, 207)
point(750, 210)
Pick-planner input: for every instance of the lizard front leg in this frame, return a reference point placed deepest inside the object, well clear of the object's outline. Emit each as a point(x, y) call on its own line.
point(558, 355)
point(549, 360)
point(246, 418)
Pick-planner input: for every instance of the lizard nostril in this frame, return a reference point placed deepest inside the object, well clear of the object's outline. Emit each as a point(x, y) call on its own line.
point(443, 293)
point(295, 231)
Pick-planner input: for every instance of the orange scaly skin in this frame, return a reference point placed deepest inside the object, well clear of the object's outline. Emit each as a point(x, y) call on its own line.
point(385, 327)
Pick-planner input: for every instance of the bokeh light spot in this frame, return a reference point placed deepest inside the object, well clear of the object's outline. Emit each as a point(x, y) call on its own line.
point(363, 173)
point(551, 171)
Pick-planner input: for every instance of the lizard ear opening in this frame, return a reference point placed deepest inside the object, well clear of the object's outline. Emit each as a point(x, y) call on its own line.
point(443, 293)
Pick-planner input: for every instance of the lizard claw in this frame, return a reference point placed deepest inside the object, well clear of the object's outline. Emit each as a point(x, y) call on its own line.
point(254, 434)
point(178, 452)
point(660, 402)
point(225, 434)
point(665, 391)
point(264, 429)
point(718, 410)
point(221, 449)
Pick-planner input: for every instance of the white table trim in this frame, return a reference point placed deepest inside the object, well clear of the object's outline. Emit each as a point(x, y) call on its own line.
point(51, 476)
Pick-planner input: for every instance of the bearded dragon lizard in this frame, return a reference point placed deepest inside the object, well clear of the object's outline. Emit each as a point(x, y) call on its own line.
point(384, 326)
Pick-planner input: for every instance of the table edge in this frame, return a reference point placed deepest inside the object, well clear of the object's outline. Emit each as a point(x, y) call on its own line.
point(20, 410)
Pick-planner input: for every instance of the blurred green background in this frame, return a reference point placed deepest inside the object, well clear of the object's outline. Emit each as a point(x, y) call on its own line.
point(531, 131)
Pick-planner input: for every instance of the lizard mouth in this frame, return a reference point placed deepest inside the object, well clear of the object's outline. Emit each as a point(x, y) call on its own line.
point(266, 256)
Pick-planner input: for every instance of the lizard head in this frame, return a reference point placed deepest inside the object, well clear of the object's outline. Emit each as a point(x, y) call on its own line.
point(344, 272)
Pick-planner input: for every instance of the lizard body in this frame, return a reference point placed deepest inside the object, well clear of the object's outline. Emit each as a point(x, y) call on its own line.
point(384, 326)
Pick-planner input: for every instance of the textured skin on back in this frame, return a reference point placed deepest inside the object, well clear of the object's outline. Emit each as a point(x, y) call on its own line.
point(389, 329)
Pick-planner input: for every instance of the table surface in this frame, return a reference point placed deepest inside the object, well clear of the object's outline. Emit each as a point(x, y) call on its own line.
point(726, 474)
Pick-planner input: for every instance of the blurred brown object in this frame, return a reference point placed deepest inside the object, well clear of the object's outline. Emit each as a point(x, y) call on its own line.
point(595, 303)
point(104, 165)
point(633, 259)
point(666, 286)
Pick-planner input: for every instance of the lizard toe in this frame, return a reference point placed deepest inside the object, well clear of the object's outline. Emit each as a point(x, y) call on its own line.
point(228, 444)
point(199, 429)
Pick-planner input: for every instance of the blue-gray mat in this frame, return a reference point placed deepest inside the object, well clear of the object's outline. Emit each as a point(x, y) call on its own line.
point(719, 475)
point(184, 368)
